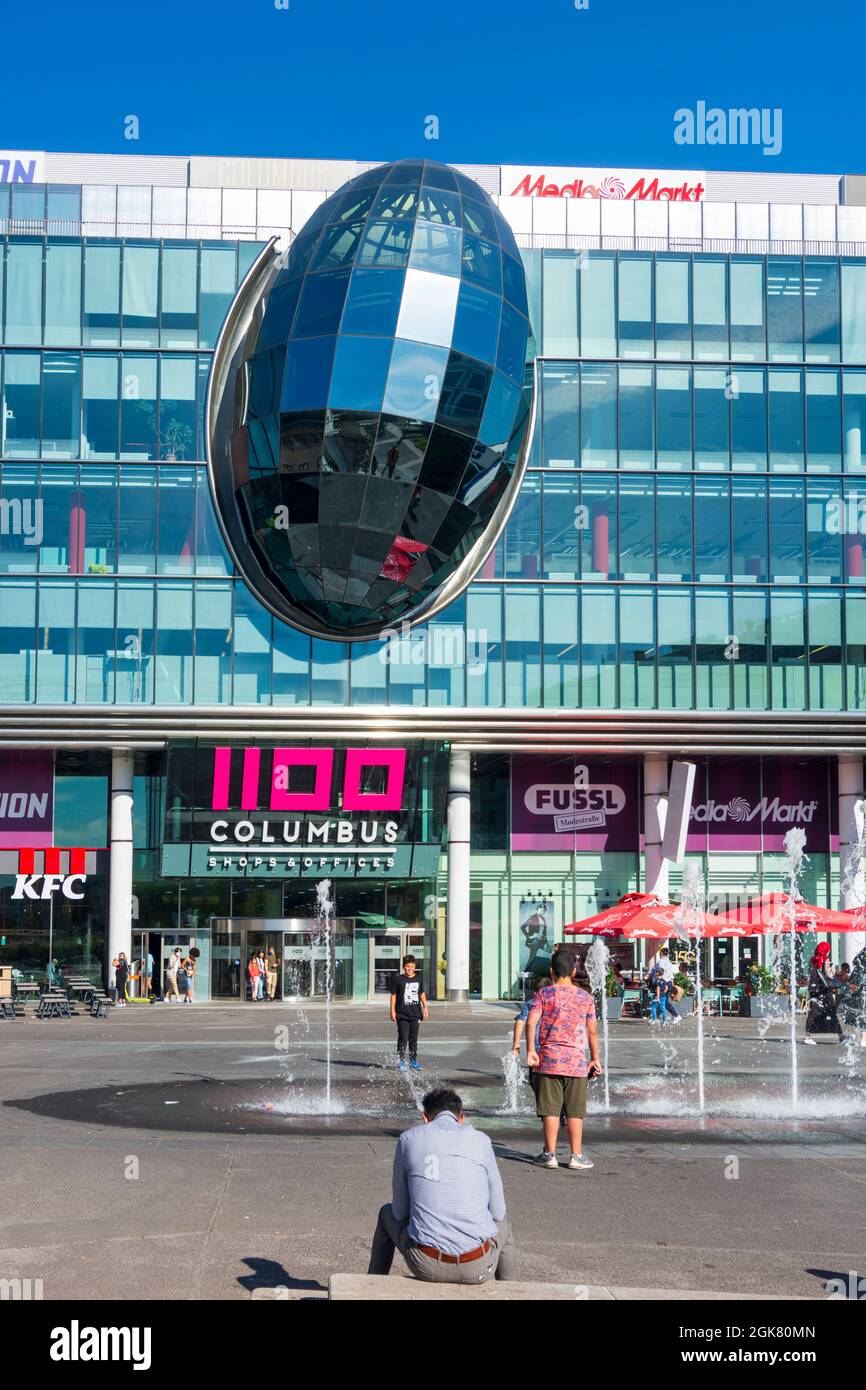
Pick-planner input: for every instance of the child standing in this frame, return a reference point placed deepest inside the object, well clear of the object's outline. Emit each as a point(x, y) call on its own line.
point(408, 1008)
point(565, 1017)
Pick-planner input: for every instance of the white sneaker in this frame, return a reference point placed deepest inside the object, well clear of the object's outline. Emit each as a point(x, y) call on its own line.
point(810, 1042)
point(580, 1161)
point(546, 1160)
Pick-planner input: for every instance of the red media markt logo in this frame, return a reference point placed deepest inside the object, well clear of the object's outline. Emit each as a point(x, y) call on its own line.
point(643, 189)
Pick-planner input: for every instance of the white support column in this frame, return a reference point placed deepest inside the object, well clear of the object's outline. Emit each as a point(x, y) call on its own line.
point(120, 869)
point(851, 868)
point(655, 802)
point(457, 920)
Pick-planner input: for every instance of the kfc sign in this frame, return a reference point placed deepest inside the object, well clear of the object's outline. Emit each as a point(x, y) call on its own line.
point(628, 184)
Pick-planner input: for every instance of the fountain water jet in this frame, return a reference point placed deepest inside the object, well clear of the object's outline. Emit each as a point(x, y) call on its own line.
point(689, 921)
point(325, 916)
point(795, 862)
point(597, 961)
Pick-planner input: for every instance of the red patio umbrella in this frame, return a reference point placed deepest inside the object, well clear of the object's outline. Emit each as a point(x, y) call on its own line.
point(639, 915)
point(771, 913)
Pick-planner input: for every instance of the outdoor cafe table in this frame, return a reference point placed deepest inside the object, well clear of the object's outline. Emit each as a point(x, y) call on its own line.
point(27, 989)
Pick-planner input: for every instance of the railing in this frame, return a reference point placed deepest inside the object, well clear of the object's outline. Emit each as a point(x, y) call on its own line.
point(739, 246)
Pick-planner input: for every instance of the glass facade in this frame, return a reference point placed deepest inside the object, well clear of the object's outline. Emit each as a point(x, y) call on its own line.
point(686, 535)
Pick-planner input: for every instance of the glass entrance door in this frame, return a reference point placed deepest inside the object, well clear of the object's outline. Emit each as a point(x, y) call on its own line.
point(387, 950)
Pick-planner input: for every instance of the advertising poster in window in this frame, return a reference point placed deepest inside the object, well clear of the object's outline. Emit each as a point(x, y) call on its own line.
point(569, 804)
point(26, 799)
point(537, 934)
point(750, 805)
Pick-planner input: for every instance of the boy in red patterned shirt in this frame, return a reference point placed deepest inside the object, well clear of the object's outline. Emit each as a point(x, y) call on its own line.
point(565, 1017)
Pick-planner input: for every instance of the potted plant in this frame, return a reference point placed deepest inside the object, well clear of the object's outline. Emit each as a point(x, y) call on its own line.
point(613, 996)
point(761, 994)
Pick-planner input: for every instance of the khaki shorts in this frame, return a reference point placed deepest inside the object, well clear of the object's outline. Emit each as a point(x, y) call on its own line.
point(557, 1095)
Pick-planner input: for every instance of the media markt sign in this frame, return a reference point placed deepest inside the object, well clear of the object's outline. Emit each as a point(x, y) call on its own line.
point(639, 185)
point(303, 811)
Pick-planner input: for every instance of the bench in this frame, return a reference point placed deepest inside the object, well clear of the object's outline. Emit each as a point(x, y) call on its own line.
point(54, 1005)
point(7, 1008)
point(99, 1004)
point(368, 1288)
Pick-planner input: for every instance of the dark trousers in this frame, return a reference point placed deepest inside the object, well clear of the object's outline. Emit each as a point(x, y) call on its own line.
point(407, 1032)
point(669, 1005)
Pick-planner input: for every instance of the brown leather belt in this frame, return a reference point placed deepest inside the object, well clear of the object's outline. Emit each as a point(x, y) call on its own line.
point(453, 1259)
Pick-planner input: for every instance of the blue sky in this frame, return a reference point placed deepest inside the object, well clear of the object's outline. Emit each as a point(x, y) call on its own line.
point(537, 82)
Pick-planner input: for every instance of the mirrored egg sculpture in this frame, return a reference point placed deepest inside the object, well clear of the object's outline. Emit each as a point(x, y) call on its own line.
point(370, 403)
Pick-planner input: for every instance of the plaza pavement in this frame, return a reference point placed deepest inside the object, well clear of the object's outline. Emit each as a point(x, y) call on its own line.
point(194, 1202)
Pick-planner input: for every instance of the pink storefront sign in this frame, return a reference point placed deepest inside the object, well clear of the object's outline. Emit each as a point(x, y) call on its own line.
point(26, 799)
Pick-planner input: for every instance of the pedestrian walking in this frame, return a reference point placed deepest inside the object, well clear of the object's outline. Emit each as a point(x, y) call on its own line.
point(121, 975)
point(253, 971)
point(565, 1017)
point(408, 1008)
point(272, 969)
point(171, 968)
point(823, 1014)
point(185, 973)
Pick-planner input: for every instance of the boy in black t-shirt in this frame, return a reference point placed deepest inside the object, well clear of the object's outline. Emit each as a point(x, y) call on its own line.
point(408, 1007)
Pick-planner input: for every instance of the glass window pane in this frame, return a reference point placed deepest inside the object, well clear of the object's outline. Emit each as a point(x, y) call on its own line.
point(138, 408)
point(826, 524)
point(17, 642)
point(674, 417)
point(62, 294)
point(675, 657)
point(373, 303)
point(787, 656)
point(712, 427)
point(750, 646)
point(485, 679)
point(746, 389)
point(55, 658)
point(849, 519)
point(61, 405)
point(59, 498)
point(855, 649)
point(174, 638)
point(597, 310)
point(21, 405)
point(329, 673)
point(709, 277)
point(787, 531)
point(712, 530)
point(787, 421)
point(252, 642)
point(560, 305)
point(213, 652)
point(821, 302)
point(598, 648)
point(675, 528)
point(210, 552)
point(636, 444)
point(22, 518)
point(825, 651)
point(636, 528)
point(137, 517)
point(598, 416)
point(714, 648)
point(24, 293)
point(853, 311)
point(635, 302)
point(598, 537)
point(673, 319)
point(562, 525)
point(637, 647)
point(100, 406)
point(217, 291)
point(523, 647)
point(176, 530)
point(561, 649)
point(561, 415)
point(785, 309)
point(178, 323)
point(95, 644)
point(140, 281)
point(94, 536)
point(749, 524)
point(134, 657)
point(523, 532)
point(101, 295)
point(177, 414)
point(748, 333)
point(853, 420)
point(823, 422)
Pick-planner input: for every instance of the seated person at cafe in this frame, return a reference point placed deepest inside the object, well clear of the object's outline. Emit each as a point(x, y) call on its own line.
point(447, 1212)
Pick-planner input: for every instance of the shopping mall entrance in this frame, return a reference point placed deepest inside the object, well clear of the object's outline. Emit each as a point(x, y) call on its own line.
point(300, 954)
point(387, 949)
point(150, 954)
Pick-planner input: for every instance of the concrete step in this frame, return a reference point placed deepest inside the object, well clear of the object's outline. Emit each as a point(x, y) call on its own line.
point(345, 1288)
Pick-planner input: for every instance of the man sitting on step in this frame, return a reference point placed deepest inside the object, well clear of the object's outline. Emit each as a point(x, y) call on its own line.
point(447, 1214)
